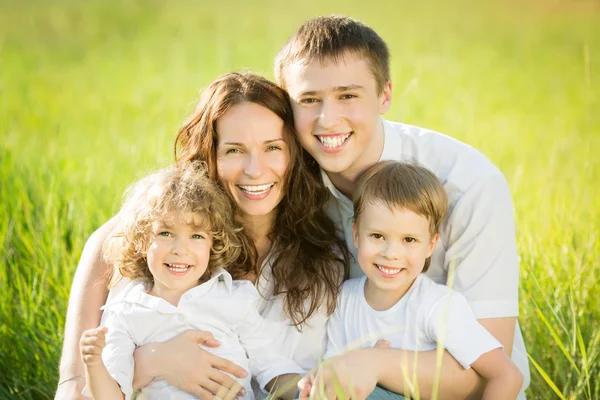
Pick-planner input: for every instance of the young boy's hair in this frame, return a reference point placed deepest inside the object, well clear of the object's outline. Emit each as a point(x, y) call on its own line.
point(332, 38)
point(405, 186)
point(175, 191)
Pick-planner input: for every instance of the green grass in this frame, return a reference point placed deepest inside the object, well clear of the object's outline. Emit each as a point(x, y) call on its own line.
point(92, 93)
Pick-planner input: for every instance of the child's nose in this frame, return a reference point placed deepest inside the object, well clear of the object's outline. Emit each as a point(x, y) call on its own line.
point(392, 251)
point(179, 247)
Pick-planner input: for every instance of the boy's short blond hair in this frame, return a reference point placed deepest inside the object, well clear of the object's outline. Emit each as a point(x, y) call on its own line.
point(405, 186)
point(175, 190)
point(333, 38)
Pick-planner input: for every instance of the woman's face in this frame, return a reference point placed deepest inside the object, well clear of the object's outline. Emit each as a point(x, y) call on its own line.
point(252, 157)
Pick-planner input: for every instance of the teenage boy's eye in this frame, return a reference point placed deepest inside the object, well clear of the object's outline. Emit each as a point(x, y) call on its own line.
point(308, 101)
point(348, 96)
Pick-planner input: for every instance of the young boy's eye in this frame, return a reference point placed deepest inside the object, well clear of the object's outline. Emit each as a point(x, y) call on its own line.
point(410, 239)
point(377, 235)
point(197, 236)
point(165, 233)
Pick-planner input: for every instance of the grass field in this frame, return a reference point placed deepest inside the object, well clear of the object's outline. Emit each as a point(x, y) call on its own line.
point(91, 95)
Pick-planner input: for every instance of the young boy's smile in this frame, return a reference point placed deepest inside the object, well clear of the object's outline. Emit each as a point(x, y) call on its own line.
point(392, 247)
point(337, 111)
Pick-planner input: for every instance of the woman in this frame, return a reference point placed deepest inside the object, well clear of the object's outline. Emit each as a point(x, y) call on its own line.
point(243, 129)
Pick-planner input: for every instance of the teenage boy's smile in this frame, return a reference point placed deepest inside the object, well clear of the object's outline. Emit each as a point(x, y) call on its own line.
point(337, 112)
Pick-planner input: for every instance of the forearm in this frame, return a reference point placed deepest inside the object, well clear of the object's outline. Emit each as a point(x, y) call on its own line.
point(101, 385)
point(400, 370)
point(284, 386)
point(146, 364)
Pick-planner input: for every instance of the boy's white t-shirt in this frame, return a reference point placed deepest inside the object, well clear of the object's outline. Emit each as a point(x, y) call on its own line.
point(228, 309)
point(477, 237)
point(426, 314)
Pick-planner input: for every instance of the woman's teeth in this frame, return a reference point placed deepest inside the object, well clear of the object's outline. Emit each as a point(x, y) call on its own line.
point(333, 141)
point(256, 189)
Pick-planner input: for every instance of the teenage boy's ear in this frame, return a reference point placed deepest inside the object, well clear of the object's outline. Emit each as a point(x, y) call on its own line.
point(432, 244)
point(385, 98)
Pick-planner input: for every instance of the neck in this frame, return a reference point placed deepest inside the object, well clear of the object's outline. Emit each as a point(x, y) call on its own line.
point(381, 300)
point(259, 227)
point(345, 181)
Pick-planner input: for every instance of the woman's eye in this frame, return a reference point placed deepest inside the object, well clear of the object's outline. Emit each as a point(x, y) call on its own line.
point(232, 151)
point(273, 148)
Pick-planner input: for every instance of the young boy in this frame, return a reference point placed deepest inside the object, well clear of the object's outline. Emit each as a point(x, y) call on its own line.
point(398, 208)
point(336, 70)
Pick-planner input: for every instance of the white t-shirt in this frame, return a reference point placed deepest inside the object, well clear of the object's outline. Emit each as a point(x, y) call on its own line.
point(477, 236)
point(426, 314)
point(226, 308)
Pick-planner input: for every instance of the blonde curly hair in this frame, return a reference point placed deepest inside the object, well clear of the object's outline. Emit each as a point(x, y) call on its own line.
point(182, 189)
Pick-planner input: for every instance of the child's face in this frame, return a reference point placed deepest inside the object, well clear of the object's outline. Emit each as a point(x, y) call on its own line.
point(337, 110)
point(392, 246)
point(252, 157)
point(179, 253)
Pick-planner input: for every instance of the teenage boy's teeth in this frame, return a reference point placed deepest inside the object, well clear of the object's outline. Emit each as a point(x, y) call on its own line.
point(333, 141)
point(178, 268)
point(389, 271)
point(256, 189)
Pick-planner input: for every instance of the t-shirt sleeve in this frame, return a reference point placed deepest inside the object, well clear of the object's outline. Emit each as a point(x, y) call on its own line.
point(118, 353)
point(452, 324)
point(257, 336)
point(481, 248)
point(336, 338)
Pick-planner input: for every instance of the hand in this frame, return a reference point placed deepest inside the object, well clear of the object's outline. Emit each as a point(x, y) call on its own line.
point(352, 375)
point(183, 363)
point(91, 344)
point(382, 344)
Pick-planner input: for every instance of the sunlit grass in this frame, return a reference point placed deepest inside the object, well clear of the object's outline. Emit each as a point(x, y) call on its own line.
point(91, 95)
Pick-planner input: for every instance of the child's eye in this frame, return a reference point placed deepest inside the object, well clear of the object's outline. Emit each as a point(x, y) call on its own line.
point(377, 235)
point(410, 239)
point(197, 236)
point(165, 233)
point(348, 96)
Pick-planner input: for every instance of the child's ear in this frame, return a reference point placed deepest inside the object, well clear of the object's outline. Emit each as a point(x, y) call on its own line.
point(355, 234)
point(434, 240)
point(385, 98)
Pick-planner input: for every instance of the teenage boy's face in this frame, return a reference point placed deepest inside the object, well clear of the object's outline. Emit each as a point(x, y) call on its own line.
point(337, 110)
point(392, 247)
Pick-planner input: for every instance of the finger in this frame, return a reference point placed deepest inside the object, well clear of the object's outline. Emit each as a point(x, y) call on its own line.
point(228, 382)
point(202, 337)
point(91, 350)
point(228, 366)
point(202, 393)
point(93, 341)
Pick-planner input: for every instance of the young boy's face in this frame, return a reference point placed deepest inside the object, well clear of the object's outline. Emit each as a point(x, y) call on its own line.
point(392, 246)
point(178, 254)
point(337, 110)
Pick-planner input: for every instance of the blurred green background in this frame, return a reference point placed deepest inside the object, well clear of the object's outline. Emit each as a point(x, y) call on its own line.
point(92, 93)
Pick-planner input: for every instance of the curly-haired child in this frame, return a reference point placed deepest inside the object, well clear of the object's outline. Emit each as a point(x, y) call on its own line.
point(177, 243)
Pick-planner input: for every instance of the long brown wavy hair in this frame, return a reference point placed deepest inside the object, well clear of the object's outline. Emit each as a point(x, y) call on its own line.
point(308, 260)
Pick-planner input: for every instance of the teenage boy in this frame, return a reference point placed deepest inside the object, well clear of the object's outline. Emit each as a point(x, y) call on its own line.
point(336, 70)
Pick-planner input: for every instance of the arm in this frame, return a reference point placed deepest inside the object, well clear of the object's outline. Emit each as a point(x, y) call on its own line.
point(504, 379)
point(100, 384)
point(88, 294)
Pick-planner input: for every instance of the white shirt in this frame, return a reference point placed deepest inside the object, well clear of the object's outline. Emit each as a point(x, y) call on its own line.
point(226, 308)
point(477, 236)
point(426, 314)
